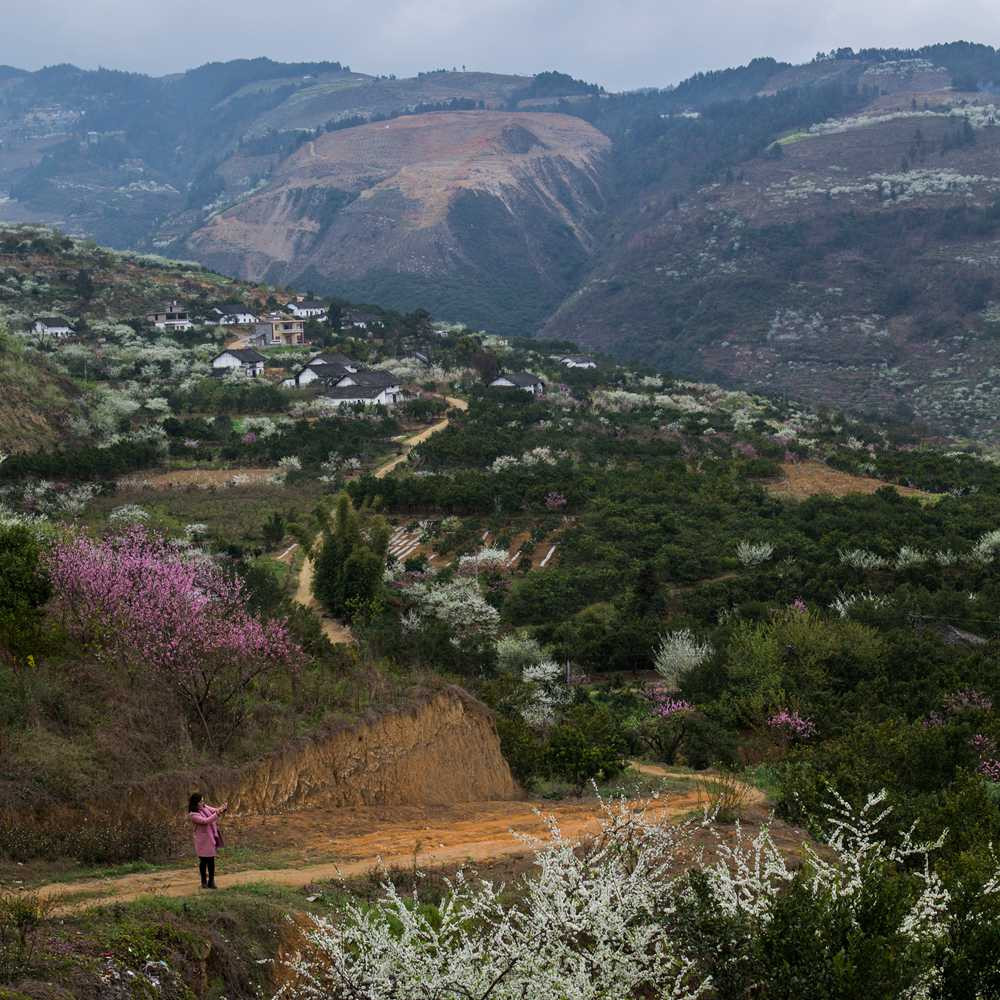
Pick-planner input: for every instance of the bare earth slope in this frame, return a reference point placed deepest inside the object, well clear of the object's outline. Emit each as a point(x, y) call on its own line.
point(490, 203)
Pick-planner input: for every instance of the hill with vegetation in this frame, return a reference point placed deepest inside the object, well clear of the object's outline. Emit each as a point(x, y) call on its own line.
point(823, 229)
point(643, 583)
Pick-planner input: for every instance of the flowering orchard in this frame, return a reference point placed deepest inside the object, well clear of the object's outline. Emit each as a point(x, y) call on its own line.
point(153, 606)
point(629, 915)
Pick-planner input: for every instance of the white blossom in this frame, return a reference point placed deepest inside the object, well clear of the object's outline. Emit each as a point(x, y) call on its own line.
point(862, 559)
point(678, 653)
point(753, 553)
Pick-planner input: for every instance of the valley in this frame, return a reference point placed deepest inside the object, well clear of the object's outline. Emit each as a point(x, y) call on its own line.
point(480, 535)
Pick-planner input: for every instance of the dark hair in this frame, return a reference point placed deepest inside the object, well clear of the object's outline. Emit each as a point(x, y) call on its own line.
point(194, 802)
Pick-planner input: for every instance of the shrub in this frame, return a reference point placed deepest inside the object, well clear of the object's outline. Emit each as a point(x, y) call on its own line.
point(89, 840)
point(585, 747)
point(726, 796)
point(638, 911)
point(21, 916)
point(24, 589)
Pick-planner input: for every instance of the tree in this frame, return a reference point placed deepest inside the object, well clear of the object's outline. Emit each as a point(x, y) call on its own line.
point(274, 530)
point(84, 285)
point(153, 607)
point(24, 589)
point(349, 558)
point(586, 746)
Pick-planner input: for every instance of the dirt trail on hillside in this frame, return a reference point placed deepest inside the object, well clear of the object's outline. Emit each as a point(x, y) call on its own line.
point(355, 842)
point(338, 632)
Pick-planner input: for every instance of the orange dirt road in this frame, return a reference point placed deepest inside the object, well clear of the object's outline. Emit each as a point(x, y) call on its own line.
point(356, 842)
point(335, 631)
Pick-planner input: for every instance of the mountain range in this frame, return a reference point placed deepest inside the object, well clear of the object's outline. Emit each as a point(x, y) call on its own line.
point(829, 230)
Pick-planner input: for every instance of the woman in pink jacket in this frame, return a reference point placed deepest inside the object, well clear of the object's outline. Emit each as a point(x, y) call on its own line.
point(207, 839)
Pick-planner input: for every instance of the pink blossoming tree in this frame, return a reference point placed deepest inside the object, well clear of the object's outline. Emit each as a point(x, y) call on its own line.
point(135, 597)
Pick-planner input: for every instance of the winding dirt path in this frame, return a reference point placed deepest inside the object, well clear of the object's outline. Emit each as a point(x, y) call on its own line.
point(348, 843)
point(338, 632)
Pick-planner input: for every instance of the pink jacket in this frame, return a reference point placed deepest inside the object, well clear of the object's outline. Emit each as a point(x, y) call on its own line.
point(206, 831)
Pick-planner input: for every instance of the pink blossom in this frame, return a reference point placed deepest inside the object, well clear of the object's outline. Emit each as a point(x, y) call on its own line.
point(968, 700)
point(665, 705)
point(249, 438)
point(137, 597)
point(745, 449)
point(983, 745)
point(555, 501)
point(990, 770)
point(792, 724)
point(798, 605)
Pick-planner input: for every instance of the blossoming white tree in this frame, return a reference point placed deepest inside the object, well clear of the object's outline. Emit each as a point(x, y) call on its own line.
point(678, 653)
point(754, 553)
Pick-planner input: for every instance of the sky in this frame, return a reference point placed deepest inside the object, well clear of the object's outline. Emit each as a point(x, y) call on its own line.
point(621, 44)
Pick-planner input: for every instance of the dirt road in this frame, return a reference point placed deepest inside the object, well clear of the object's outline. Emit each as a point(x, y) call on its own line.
point(335, 631)
point(347, 843)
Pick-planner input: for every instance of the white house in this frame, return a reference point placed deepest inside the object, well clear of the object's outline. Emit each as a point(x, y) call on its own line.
point(231, 314)
point(360, 320)
point(246, 360)
point(348, 364)
point(369, 379)
point(577, 361)
point(51, 326)
point(367, 395)
point(170, 316)
point(308, 308)
point(519, 380)
point(328, 367)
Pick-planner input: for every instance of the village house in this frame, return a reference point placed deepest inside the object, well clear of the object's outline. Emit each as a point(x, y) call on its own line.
point(277, 330)
point(231, 314)
point(170, 316)
point(519, 380)
point(242, 359)
point(379, 386)
point(350, 395)
point(324, 366)
point(308, 309)
point(51, 326)
point(577, 361)
point(335, 359)
point(361, 320)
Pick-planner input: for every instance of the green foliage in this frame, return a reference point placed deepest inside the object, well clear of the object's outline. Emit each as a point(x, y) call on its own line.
point(585, 746)
point(83, 462)
point(21, 915)
point(213, 395)
point(813, 945)
point(24, 589)
point(350, 562)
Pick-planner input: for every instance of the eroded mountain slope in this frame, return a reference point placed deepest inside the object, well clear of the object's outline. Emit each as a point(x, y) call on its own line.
point(494, 206)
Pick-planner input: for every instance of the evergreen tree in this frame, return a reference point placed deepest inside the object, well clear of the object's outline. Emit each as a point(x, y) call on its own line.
point(349, 563)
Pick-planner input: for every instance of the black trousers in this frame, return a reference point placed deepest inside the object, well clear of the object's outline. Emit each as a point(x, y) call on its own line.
point(206, 868)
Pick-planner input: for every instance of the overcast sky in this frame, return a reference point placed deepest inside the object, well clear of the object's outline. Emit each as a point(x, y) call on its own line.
point(619, 43)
